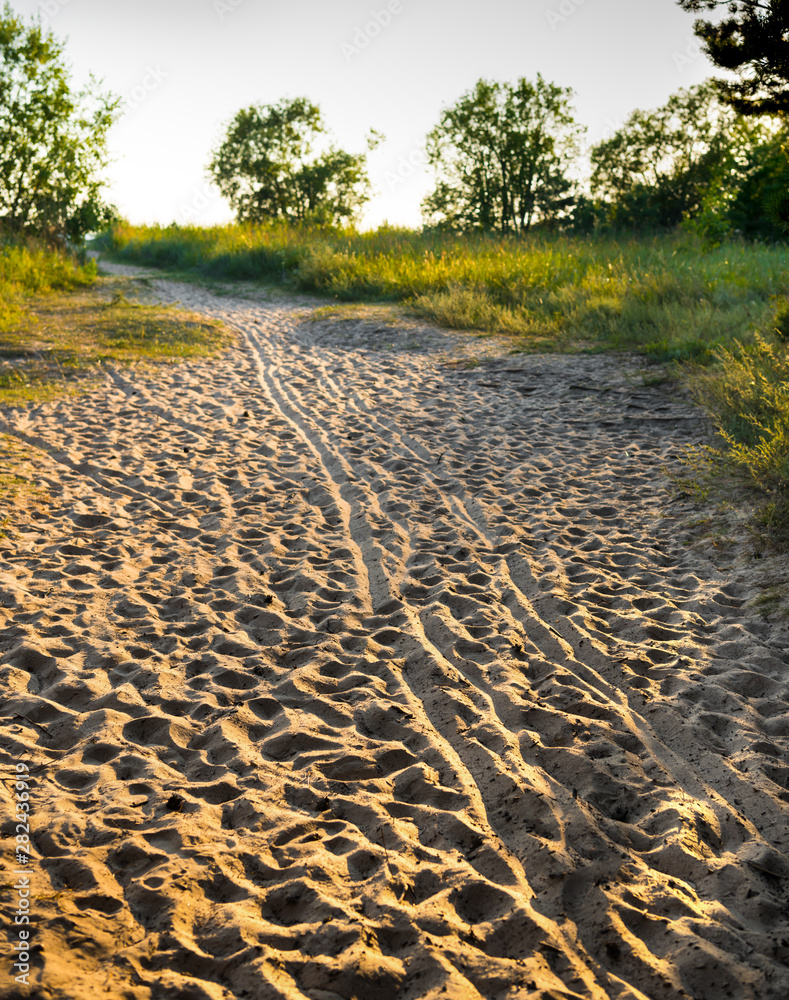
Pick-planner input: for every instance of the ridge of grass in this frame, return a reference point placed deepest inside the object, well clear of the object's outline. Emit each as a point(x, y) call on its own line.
point(60, 323)
point(29, 268)
point(669, 298)
point(666, 297)
point(63, 339)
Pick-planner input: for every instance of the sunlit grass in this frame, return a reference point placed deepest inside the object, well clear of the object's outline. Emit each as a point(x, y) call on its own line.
point(747, 395)
point(65, 337)
point(60, 322)
point(667, 297)
point(26, 269)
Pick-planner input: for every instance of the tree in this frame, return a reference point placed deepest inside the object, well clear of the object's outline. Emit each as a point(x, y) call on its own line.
point(747, 197)
point(52, 140)
point(657, 169)
point(267, 167)
point(502, 153)
point(753, 41)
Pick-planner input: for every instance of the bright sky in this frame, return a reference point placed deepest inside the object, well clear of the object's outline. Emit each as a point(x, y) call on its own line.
point(185, 67)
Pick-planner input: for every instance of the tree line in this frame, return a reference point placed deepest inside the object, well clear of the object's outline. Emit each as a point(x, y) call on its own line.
point(507, 157)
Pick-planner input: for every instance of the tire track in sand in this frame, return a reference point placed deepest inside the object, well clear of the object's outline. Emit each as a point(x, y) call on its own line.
point(370, 564)
point(361, 722)
point(557, 649)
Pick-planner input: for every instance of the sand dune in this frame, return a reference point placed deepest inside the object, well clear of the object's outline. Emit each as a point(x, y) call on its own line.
point(344, 672)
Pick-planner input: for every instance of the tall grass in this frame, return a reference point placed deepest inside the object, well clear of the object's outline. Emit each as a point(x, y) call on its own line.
point(747, 395)
point(666, 297)
point(27, 268)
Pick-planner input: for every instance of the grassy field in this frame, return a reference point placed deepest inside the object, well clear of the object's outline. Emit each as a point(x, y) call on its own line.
point(60, 322)
point(669, 298)
point(665, 297)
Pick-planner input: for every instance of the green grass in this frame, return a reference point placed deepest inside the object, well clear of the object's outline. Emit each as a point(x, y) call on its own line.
point(60, 321)
point(666, 297)
point(64, 337)
point(746, 393)
point(27, 268)
point(669, 298)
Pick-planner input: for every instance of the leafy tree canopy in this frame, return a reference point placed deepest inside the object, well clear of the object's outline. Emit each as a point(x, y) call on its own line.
point(693, 156)
point(52, 140)
point(267, 167)
point(501, 154)
point(752, 41)
point(748, 196)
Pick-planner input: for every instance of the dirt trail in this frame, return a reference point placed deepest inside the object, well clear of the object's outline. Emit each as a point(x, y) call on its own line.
point(346, 673)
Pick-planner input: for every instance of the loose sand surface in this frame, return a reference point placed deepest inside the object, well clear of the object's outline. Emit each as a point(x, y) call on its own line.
point(346, 672)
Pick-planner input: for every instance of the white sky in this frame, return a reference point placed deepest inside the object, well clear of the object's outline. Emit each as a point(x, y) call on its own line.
point(187, 66)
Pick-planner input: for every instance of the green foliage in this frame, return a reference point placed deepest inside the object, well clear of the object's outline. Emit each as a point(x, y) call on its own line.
point(747, 196)
point(694, 162)
point(751, 404)
point(667, 297)
point(655, 169)
point(502, 153)
point(759, 208)
point(267, 167)
point(52, 140)
point(753, 42)
point(747, 395)
point(27, 267)
point(781, 328)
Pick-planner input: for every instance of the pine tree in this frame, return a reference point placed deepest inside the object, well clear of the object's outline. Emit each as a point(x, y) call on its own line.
point(753, 42)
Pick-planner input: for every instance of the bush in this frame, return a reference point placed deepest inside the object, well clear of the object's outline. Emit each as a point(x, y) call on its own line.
point(747, 396)
point(28, 267)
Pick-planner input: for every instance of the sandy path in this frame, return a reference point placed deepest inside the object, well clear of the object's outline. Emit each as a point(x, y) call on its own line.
point(344, 673)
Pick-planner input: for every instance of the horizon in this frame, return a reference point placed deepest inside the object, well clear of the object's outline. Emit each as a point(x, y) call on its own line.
point(390, 66)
